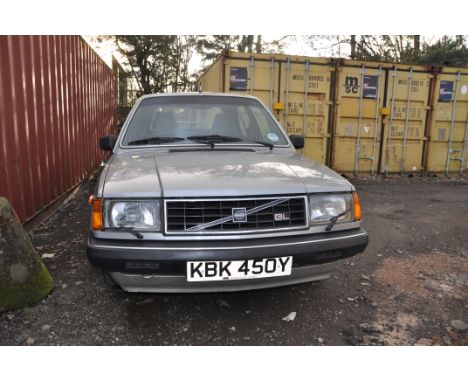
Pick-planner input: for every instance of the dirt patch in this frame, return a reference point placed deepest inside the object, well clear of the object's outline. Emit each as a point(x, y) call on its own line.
point(430, 276)
point(413, 292)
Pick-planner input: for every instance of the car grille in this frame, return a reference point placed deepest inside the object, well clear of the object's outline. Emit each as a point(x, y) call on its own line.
point(183, 215)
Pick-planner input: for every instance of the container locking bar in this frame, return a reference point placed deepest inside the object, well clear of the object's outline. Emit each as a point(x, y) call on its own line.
point(272, 74)
point(452, 124)
point(358, 141)
point(465, 137)
point(405, 134)
point(252, 67)
point(288, 69)
point(389, 133)
point(377, 108)
point(306, 94)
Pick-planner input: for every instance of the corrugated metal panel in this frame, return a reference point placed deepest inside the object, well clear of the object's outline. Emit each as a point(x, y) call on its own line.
point(56, 99)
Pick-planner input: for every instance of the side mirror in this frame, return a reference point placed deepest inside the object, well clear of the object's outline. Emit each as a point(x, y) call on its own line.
point(297, 141)
point(107, 143)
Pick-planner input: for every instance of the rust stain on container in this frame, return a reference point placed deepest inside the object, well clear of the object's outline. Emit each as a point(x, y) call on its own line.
point(56, 99)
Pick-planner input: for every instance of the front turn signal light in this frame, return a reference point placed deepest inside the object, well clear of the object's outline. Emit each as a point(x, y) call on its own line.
point(357, 207)
point(96, 220)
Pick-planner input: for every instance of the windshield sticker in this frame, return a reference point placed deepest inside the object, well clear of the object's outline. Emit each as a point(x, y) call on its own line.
point(272, 137)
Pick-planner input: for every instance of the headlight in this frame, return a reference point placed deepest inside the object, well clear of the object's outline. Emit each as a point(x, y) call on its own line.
point(140, 215)
point(324, 207)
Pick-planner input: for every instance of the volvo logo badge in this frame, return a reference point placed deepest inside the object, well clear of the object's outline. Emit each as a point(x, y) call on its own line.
point(239, 215)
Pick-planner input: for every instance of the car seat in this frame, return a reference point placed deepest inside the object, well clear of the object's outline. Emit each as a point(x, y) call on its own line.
point(225, 124)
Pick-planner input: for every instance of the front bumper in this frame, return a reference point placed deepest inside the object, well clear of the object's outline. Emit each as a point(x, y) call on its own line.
point(143, 266)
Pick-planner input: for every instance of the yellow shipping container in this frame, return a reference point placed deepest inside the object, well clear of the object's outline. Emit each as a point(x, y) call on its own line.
point(357, 117)
point(448, 134)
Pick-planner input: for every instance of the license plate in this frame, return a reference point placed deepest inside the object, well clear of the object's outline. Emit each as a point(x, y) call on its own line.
point(238, 269)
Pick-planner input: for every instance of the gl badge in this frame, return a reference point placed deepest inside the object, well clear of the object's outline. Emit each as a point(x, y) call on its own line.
point(281, 217)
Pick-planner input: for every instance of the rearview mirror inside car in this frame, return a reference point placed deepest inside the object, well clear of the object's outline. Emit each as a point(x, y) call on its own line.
point(297, 141)
point(107, 143)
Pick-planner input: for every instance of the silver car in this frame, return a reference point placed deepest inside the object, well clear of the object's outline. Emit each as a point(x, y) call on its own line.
point(205, 192)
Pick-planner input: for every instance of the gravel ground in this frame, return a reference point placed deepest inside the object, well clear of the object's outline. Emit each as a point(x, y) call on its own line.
point(409, 287)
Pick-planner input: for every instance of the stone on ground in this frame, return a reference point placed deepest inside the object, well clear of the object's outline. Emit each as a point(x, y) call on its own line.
point(24, 279)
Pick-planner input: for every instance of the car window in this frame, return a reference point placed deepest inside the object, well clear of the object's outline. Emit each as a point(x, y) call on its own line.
point(185, 116)
point(262, 123)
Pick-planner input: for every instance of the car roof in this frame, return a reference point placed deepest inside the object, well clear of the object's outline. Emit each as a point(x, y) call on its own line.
point(198, 94)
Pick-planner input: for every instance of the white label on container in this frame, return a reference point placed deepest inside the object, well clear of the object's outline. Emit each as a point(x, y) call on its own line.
point(464, 89)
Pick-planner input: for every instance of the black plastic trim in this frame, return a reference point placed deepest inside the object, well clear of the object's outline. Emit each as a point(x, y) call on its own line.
point(169, 257)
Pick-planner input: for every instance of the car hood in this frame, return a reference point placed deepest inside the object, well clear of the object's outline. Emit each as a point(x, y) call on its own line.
point(217, 174)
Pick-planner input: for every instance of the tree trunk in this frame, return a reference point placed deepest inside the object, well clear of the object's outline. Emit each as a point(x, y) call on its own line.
point(23, 277)
point(417, 46)
point(258, 44)
point(250, 43)
point(353, 46)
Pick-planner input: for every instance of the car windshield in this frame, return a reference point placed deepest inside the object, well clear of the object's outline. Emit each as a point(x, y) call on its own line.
point(170, 120)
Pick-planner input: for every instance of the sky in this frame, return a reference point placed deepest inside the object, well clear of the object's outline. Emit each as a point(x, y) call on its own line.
point(324, 46)
point(296, 45)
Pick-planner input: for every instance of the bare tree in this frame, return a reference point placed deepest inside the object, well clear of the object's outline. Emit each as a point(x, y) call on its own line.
point(158, 63)
point(211, 46)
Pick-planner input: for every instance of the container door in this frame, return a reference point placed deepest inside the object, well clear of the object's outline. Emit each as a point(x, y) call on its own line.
point(357, 133)
point(448, 135)
point(305, 95)
point(407, 98)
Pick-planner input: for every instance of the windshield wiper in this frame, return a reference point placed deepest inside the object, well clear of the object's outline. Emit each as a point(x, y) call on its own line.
point(215, 138)
point(212, 139)
point(267, 144)
point(334, 219)
point(137, 234)
point(155, 140)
